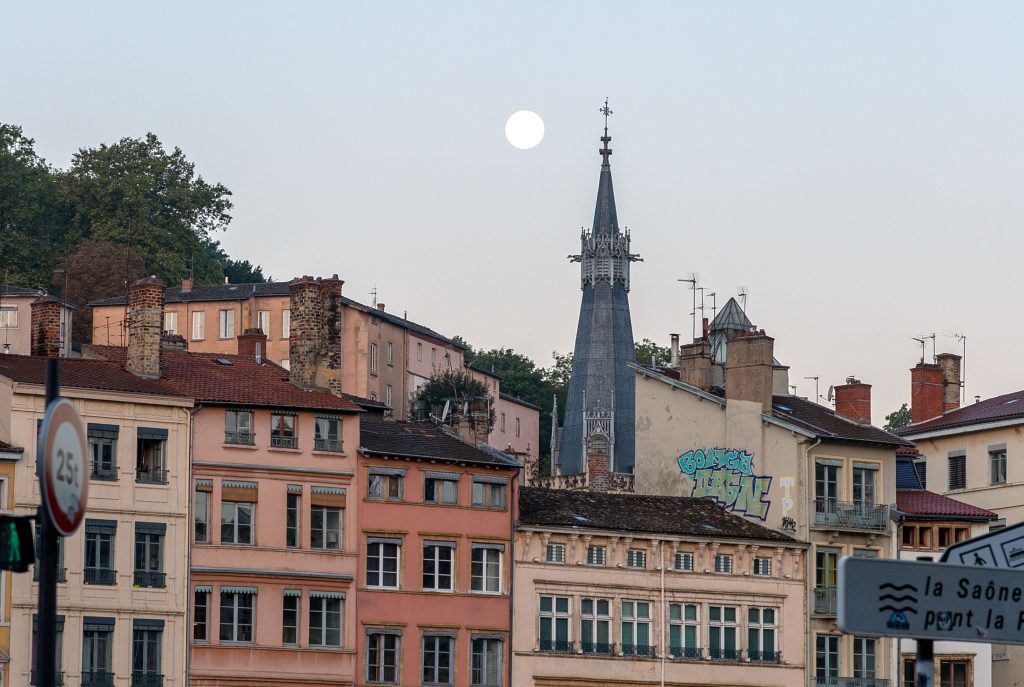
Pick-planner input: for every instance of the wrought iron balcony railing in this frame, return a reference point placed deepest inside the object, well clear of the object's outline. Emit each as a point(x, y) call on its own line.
point(725, 654)
point(58, 678)
point(151, 476)
point(100, 576)
point(147, 679)
point(556, 646)
point(97, 678)
point(756, 656)
point(597, 648)
point(686, 652)
point(825, 600)
point(62, 574)
point(277, 441)
point(639, 650)
point(150, 578)
point(854, 516)
point(330, 445)
point(103, 473)
point(851, 682)
point(239, 438)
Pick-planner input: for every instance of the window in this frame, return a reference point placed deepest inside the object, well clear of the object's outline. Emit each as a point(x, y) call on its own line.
point(865, 553)
point(146, 636)
point(595, 626)
point(962, 534)
point(103, 451)
point(385, 483)
point(286, 323)
point(202, 516)
point(292, 522)
point(518, 427)
point(58, 668)
point(864, 653)
point(286, 364)
point(945, 537)
point(438, 558)
point(325, 619)
point(684, 561)
point(954, 673)
point(198, 325)
point(826, 486)
point(149, 460)
point(723, 563)
point(826, 656)
point(864, 486)
point(236, 522)
point(238, 427)
point(290, 616)
point(503, 422)
point(957, 471)
point(555, 553)
point(909, 536)
point(684, 630)
point(921, 466)
point(382, 563)
point(433, 357)
point(9, 317)
point(489, 492)
point(99, 551)
point(997, 463)
point(440, 487)
point(328, 434)
point(201, 615)
point(485, 568)
point(325, 528)
point(761, 635)
point(419, 351)
point(437, 659)
point(382, 656)
point(485, 666)
point(636, 628)
point(282, 431)
point(373, 358)
point(636, 558)
point(97, 646)
point(149, 544)
point(236, 617)
point(722, 633)
point(390, 354)
point(263, 321)
point(227, 324)
point(171, 322)
point(596, 555)
point(388, 396)
point(826, 565)
point(763, 566)
point(554, 623)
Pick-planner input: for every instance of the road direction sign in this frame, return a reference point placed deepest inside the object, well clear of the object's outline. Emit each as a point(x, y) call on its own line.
point(63, 459)
point(924, 600)
point(1000, 549)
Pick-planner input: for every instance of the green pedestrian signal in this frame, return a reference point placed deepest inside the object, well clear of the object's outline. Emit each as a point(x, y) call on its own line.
point(17, 550)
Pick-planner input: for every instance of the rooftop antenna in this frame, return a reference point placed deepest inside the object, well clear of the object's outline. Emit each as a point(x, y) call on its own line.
point(373, 294)
point(962, 338)
point(741, 291)
point(817, 396)
point(702, 290)
point(922, 339)
point(714, 309)
point(692, 278)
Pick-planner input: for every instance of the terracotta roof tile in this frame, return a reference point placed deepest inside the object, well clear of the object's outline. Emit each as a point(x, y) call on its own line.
point(928, 503)
point(824, 422)
point(419, 440)
point(1006, 407)
point(83, 373)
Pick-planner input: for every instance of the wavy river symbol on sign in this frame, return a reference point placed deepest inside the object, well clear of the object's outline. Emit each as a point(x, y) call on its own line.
point(898, 594)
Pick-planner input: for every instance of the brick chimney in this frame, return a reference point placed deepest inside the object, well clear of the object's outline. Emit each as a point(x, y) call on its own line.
point(695, 364)
point(186, 284)
point(927, 389)
point(950, 364)
point(252, 343)
point(380, 306)
point(853, 401)
point(145, 325)
point(46, 333)
point(597, 464)
point(314, 344)
point(749, 369)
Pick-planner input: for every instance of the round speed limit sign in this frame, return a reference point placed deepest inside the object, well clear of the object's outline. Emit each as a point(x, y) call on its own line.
point(64, 465)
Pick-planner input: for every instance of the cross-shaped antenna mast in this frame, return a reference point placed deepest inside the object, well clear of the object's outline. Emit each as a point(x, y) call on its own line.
point(693, 279)
point(605, 151)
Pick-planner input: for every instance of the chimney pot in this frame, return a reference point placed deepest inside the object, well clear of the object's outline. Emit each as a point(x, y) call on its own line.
point(46, 326)
point(750, 369)
point(252, 343)
point(674, 350)
point(186, 284)
point(927, 389)
point(951, 382)
point(380, 306)
point(145, 327)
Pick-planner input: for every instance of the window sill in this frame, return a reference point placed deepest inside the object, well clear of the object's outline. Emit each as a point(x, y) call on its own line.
point(274, 449)
point(250, 447)
point(383, 589)
point(337, 454)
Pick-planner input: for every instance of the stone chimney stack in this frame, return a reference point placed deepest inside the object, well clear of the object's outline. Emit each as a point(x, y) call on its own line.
point(145, 325)
point(46, 333)
point(853, 401)
point(673, 350)
point(314, 344)
point(749, 369)
point(927, 389)
point(950, 364)
point(695, 364)
point(252, 344)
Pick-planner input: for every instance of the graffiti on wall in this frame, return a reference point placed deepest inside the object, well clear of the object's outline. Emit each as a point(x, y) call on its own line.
point(727, 475)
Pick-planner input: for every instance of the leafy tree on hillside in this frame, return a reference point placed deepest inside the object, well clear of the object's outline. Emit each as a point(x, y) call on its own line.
point(646, 349)
point(897, 418)
point(455, 387)
point(97, 269)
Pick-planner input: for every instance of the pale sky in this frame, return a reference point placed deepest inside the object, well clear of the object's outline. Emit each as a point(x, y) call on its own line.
point(857, 166)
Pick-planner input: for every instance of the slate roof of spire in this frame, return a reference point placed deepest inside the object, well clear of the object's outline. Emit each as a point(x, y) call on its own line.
point(906, 474)
point(731, 318)
point(606, 219)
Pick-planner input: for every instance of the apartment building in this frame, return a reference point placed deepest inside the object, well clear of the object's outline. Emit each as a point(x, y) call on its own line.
point(622, 589)
point(19, 319)
point(434, 591)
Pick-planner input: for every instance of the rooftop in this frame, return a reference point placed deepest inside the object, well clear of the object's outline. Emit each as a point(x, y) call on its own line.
point(83, 373)
point(825, 424)
point(923, 503)
point(1006, 407)
point(677, 515)
point(424, 441)
point(906, 475)
point(516, 399)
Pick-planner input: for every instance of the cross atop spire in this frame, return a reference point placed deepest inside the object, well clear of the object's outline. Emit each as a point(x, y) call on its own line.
point(605, 151)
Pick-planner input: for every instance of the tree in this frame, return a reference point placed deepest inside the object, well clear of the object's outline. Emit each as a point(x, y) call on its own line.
point(646, 349)
point(243, 272)
point(455, 387)
point(97, 269)
point(897, 418)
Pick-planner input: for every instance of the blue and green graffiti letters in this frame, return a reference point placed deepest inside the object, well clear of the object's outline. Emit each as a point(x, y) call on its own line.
point(727, 475)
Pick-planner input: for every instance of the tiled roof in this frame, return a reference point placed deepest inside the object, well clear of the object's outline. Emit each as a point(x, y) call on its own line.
point(515, 399)
point(907, 451)
point(241, 292)
point(906, 475)
point(824, 422)
point(424, 441)
point(364, 402)
point(243, 381)
point(926, 503)
point(679, 515)
point(83, 373)
point(13, 291)
point(1006, 407)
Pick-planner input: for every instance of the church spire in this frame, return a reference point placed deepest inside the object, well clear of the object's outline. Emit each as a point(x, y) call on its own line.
point(606, 220)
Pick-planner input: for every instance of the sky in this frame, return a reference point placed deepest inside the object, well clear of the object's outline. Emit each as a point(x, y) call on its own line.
point(857, 166)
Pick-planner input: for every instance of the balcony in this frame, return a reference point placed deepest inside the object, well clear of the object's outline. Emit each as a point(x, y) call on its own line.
point(277, 441)
point(329, 445)
point(598, 648)
point(103, 473)
point(100, 576)
point(693, 653)
point(825, 600)
point(851, 516)
point(97, 678)
point(764, 656)
point(555, 646)
point(150, 476)
point(725, 654)
point(150, 578)
point(850, 682)
point(639, 650)
point(58, 678)
point(240, 438)
point(147, 680)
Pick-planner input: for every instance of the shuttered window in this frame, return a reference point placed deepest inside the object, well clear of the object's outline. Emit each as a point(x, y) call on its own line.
point(957, 471)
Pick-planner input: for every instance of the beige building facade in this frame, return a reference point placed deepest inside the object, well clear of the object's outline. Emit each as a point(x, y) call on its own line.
point(17, 323)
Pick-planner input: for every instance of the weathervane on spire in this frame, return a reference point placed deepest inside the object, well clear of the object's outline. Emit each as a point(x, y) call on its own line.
point(605, 151)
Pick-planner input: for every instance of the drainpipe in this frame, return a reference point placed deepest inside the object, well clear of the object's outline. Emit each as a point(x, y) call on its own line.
point(661, 551)
point(512, 507)
point(188, 534)
point(809, 563)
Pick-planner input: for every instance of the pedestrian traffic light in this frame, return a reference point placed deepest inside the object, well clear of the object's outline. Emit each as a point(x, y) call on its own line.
point(17, 549)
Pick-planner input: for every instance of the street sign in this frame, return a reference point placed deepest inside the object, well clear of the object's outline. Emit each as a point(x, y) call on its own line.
point(925, 600)
point(17, 546)
point(1000, 549)
point(63, 459)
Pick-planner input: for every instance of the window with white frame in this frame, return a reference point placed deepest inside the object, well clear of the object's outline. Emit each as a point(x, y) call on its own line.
point(201, 515)
point(9, 317)
point(763, 566)
point(382, 556)
point(485, 661)
point(419, 351)
point(554, 623)
point(519, 426)
point(595, 626)
point(383, 656)
point(826, 657)
point(485, 568)
point(324, 527)
point(503, 422)
point(596, 555)
point(290, 616)
point(864, 484)
point(385, 483)
point(373, 358)
point(684, 630)
point(236, 614)
point(997, 464)
point(489, 492)
point(171, 322)
point(227, 324)
point(201, 615)
point(389, 396)
point(761, 640)
point(636, 558)
point(438, 560)
point(438, 652)
point(865, 658)
point(390, 356)
point(684, 561)
point(636, 628)
point(286, 323)
point(236, 522)
point(723, 563)
point(198, 325)
point(263, 321)
point(325, 619)
point(555, 553)
point(722, 643)
point(441, 487)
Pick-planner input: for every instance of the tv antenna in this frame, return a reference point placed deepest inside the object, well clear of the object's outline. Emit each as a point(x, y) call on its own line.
point(714, 308)
point(741, 292)
point(692, 278)
point(922, 340)
point(816, 394)
point(962, 338)
point(373, 294)
point(702, 290)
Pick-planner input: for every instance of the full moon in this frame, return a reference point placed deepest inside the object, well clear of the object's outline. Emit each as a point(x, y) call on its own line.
point(524, 129)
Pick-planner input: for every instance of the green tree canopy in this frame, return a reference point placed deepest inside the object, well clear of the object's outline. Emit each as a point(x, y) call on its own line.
point(897, 418)
point(454, 387)
point(647, 349)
